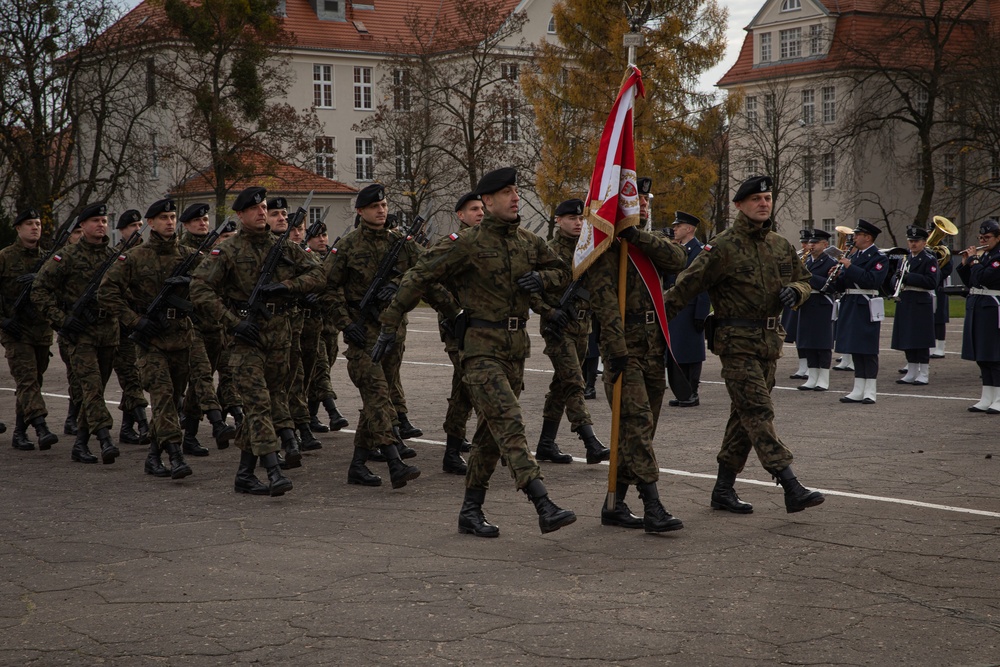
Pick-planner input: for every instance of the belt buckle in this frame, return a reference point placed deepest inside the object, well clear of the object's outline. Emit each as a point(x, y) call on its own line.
point(101, 313)
point(513, 323)
point(650, 317)
point(307, 313)
point(171, 313)
point(270, 308)
point(772, 324)
point(581, 315)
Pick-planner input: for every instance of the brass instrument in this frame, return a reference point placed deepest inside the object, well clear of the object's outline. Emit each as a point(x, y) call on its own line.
point(845, 247)
point(844, 234)
point(903, 270)
point(942, 227)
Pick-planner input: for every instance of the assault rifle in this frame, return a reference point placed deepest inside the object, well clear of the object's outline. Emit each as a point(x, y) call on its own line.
point(386, 269)
point(82, 309)
point(315, 228)
point(575, 290)
point(167, 298)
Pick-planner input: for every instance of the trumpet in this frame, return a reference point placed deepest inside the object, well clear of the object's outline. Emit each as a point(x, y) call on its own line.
point(978, 249)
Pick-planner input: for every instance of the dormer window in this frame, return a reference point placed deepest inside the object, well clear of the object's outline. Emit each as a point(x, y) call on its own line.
point(791, 5)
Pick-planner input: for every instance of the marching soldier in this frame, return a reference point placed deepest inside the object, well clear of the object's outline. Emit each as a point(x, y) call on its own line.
point(260, 348)
point(133, 404)
point(494, 268)
point(566, 332)
point(73, 409)
point(91, 343)
point(814, 338)
point(750, 272)
point(790, 318)
point(687, 329)
point(913, 325)
point(980, 339)
point(857, 333)
point(128, 289)
point(26, 336)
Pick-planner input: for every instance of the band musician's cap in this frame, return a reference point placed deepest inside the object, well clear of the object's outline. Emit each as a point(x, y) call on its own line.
point(989, 226)
point(805, 235)
point(193, 211)
point(496, 180)
point(753, 185)
point(570, 207)
point(370, 195)
point(682, 218)
point(252, 196)
point(160, 206)
point(914, 233)
point(465, 199)
point(644, 184)
point(274, 203)
point(30, 214)
point(93, 211)
point(819, 235)
point(129, 217)
point(865, 227)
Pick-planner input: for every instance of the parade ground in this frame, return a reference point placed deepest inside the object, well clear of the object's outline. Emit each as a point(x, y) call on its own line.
point(104, 565)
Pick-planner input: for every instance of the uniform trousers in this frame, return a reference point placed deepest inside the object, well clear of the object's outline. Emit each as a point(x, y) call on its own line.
point(217, 351)
point(749, 381)
point(320, 386)
point(816, 358)
point(28, 364)
point(567, 385)
point(990, 373)
point(865, 366)
point(377, 414)
point(164, 376)
point(201, 396)
point(128, 376)
point(261, 375)
point(92, 366)
point(456, 417)
point(643, 386)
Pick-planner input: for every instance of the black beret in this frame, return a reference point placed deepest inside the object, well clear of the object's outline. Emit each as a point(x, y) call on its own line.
point(819, 235)
point(275, 203)
point(465, 199)
point(251, 196)
point(496, 181)
point(989, 226)
point(570, 207)
point(805, 235)
point(321, 227)
point(682, 218)
point(30, 214)
point(160, 206)
point(914, 233)
point(93, 211)
point(370, 195)
point(753, 185)
point(127, 218)
point(866, 227)
point(194, 211)
point(644, 184)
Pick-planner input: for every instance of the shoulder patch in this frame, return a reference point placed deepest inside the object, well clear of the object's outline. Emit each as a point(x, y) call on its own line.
point(409, 237)
point(878, 266)
point(216, 252)
point(333, 250)
point(933, 269)
point(453, 236)
point(995, 264)
point(56, 258)
point(707, 247)
point(121, 258)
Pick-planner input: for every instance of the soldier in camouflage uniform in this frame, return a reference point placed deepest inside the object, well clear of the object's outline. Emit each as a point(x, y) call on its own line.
point(73, 408)
point(495, 269)
point(750, 272)
point(634, 348)
point(260, 347)
point(133, 403)
point(91, 345)
point(26, 336)
point(566, 332)
point(128, 289)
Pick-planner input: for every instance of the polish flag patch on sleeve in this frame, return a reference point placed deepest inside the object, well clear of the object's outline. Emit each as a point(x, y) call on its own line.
point(333, 251)
point(216, 252)
point(453, 236)
point(121, 258)
point(708, 247)
point(878, 267)
point(56, 258)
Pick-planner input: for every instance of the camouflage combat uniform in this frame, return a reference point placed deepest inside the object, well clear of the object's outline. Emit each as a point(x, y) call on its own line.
point(126, 368)
point(127, 291)
point(59, 284)
point(220, 287)
point(640, 338)
point(743, 269)
point(483, 264)
point(28, 355)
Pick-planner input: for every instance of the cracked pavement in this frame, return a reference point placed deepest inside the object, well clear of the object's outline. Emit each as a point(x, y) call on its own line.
point(105, 565)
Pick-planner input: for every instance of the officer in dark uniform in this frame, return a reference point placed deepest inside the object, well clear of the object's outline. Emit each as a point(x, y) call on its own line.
point(913, 325)
point(790, 317)
point(864, 272)
point(941, 308)
point(981, 333)
point(814, 339)
point(687, 328)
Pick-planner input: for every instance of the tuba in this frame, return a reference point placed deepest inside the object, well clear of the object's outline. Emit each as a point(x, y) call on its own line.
point(942, 227)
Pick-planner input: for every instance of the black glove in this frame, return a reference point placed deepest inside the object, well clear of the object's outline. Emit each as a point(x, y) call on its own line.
point(629, 234)
point(246, 331)
point(447, 326)
point(12, 327)
point(177, 280)
point(531, 282)
point(26, 279)
point(354, 333)
point(382, 345)
point(387, 292)
point(312, 298)
point(148, 327)
point(615, 368)
point(788, 296)
point(275, 290)
point(73, 325)
point(557, 321)
point(699, 325)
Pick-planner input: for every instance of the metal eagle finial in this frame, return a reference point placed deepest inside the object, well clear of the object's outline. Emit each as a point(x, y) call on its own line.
point(638, 16)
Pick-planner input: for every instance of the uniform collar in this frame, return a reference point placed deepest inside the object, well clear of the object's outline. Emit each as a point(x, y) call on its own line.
point(753, 229)
point(499, 226)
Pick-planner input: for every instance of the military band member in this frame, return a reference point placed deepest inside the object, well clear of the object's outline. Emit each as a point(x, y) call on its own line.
point(814, 338)
point(857, 334)
point(980, 271)
point(25, 335)
point(687, 329)
point(92, 343)
point(128, 289)
point(941, 308)
point(133, 403)
point(566, 347)
point(913, 325)
point(495, 268)
point(790, 318)
point(751, 273)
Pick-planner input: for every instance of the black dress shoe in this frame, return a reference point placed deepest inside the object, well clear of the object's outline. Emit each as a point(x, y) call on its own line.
point(673, 402)
point(692, 402)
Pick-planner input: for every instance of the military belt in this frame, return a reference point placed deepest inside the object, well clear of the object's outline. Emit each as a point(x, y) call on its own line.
point(646, 317)
point(242, 309)
point(982, 291)
point(510, 324)
point(769, 323)
point(863, 292)
point(911, 288)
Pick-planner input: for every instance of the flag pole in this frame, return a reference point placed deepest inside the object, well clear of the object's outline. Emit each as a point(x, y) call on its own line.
point(616, 392)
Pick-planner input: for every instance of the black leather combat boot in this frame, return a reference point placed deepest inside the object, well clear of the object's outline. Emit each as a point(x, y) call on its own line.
point(108, 450)
point(191, 445)
point(237, 413)
point(547, 449)
point(621, 515)
point(358, 472)
point(309, 441)
point(246, 481)
point(221, 431)
point(126, 433)
point(453, 462)
point(797, 497)
point(406, 429)
point(142, 424)
point(179, 469)
point(399, 472)
point(724, 495)
point(337, 420)
point(405, 451)
point(656, 519)
point(81, 453)
point(596, 451)
point(471, 520)
point(315, 425)
point(550, 516)
point(279, 484)
point(154, 464)
point(20, 440)
point(70, 426)
point(46, 438)
point(290, 446)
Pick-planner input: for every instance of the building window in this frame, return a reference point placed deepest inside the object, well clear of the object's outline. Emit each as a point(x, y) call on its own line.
point(509, 71)
point(829, 225)
point(829, 104)
point(404, 162)
point(323, 86)
point(511, 122)
point(790, 5)
point(331, 6)
point(815, 39)
point(829, 172)
point(765, 47)
point(949, 170)
point(150, 82)
point(753, 167)
point(401, 89)
point(362, 88)
point(750, 104)
point(790, 42)
point(364, 159)
point(922, 99)
point(552, 25)
point(326, 157)
point(154, 157)
point(315, 214)
point(769, 119)
point(808, 106)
